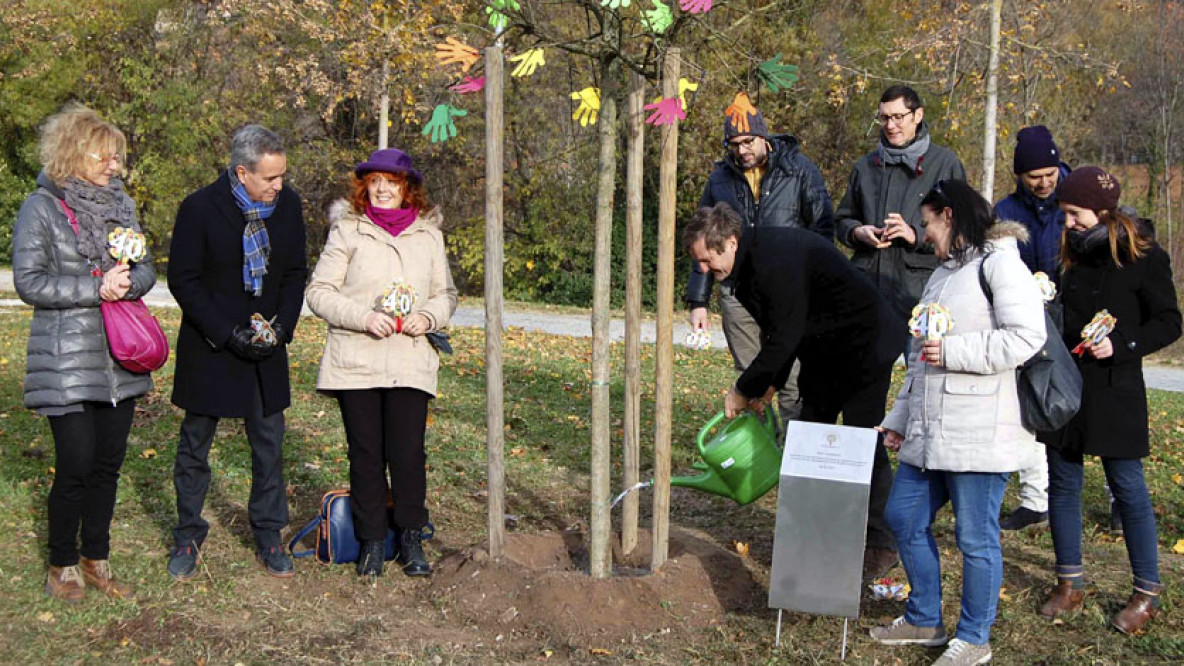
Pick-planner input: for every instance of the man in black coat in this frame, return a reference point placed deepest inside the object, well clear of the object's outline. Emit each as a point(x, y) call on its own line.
point(770, 183)
point(238, 249)
point(812, 305)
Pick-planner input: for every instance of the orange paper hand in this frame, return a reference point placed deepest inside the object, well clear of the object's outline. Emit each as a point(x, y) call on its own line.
point(452, 50)
point(739, 111)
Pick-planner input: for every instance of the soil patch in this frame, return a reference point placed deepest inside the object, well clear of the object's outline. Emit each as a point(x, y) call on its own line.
point(542, 586)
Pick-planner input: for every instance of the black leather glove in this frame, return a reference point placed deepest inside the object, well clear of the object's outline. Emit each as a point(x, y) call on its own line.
point(281, 335)
point(240, 344)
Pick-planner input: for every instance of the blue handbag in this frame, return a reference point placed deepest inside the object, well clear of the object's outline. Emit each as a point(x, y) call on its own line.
point(336, 543)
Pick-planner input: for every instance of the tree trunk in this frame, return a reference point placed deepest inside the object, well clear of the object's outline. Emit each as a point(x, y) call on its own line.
point(631, 454)
point(989, 122)
point(494, 382)
point(384, 107)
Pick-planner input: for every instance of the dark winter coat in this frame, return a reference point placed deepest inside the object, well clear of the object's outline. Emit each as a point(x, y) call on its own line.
point(793, 194)
point(69, 361)
point(813, 306)
point(205, 276)
point(1044, 221)
point(876, 189)
point(1112, 421)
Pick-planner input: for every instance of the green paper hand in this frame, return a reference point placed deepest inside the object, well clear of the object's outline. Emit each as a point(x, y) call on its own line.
point(497, 12)
point(589, 106)
point(614, 4)
point(659, 18)
point(527, 63)
point(775, 76)
point(441, 127)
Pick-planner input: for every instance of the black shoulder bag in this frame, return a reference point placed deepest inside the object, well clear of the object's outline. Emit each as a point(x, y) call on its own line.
point(1049, 383)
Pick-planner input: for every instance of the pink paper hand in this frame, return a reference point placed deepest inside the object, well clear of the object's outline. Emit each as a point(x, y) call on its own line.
point(666, 111)
point(469, 85)
point(695, 6)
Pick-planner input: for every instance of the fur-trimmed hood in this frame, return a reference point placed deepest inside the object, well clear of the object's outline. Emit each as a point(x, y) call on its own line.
point(1008, 229)
point(341, 209)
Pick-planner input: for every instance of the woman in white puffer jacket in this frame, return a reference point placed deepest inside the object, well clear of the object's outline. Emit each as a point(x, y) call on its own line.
point(956, 422)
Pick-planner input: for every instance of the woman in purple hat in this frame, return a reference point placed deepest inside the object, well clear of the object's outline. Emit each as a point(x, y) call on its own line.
point(1110, 262)
point(383, 283)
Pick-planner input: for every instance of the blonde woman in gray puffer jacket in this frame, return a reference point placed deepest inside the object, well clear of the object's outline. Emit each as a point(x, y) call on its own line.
point(956, 422)
point(61, 267)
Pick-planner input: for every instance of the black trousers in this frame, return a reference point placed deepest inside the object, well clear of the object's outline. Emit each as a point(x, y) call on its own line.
point(267, 508)
point(385, 430)
point(89, 446)
point(864, 409)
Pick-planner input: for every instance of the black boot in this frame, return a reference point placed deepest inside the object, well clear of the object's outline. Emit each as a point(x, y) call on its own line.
point(370, 559)
point(410, 554)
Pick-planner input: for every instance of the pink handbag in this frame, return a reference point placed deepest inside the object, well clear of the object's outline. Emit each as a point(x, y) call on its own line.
point(135, 337)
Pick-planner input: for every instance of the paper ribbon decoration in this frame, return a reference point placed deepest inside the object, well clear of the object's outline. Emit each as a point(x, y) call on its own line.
point(397, 301)
point(469, 85)
point(527, 63)
point(497, 12)
point(1096, 330)
point(441, 127)
point(695, 6)
point(888, 589)
point(1048, 289)
point(739, 111)
point(698, 339)
point(263, 332)
point(666, 112)
point(614, 4)
point(452, 50)
point(589, 107)
point(127, 245)
point(659, 18)
point(930, 321)
point(776, 76)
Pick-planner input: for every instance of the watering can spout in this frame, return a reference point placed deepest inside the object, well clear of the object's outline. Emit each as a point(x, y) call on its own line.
point(708, 482)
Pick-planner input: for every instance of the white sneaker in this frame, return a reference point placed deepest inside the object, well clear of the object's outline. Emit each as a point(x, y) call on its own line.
point(961, 653)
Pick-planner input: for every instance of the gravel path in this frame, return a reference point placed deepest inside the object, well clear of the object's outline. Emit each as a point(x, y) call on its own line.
point(1163, 377)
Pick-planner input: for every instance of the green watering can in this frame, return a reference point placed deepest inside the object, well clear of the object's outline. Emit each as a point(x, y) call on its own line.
point(742, 462)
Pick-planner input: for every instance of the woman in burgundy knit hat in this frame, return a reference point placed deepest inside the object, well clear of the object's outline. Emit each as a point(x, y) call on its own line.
point(1110, 262)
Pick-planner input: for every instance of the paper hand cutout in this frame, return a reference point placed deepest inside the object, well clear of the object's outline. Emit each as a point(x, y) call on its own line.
point(452, 50)
point(589, 99)
point(775, 76)
point(126, 245)
point(685, 85)
point(659, 18)
point(527, 62)
point(441, 127)
point(695, 6)
point(614, 4)
point(739, 111)
point(666, 112)
point(469, 85)
point(496, 10)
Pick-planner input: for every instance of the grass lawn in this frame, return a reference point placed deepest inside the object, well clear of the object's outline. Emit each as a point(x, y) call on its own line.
point(233, 613)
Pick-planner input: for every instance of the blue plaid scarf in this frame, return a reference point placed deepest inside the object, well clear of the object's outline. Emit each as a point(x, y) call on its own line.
point(256, 246)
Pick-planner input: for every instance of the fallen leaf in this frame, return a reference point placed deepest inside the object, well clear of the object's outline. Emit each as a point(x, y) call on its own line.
point(1003, 596)
point(517, 451)
point(1179, 547)
point(1178, 479)
point(601, 652)
point(741, 548)
point(148, 454)
point(46, 616)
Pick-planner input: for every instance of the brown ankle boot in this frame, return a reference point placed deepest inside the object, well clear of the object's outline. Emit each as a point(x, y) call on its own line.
point(1139, 610)
point(1064, 599)
point(97, 574)
point(65, 584)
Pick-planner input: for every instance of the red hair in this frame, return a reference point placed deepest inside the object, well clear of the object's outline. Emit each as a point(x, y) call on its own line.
point(413, 193)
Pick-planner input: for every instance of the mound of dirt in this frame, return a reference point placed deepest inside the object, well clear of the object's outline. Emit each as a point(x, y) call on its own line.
point(542, 586)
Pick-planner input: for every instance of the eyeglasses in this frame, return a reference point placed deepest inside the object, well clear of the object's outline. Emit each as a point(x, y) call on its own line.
point(105, 159)
point(895, 118)
point(735, 146)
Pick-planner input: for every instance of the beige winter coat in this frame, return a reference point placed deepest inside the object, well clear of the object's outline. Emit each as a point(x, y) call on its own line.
point(359, 262)
point(965, 417)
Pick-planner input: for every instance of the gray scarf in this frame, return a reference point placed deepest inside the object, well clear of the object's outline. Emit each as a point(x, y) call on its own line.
point(99, 210)
point(909, 155)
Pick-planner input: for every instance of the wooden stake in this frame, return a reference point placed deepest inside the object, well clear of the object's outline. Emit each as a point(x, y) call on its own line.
point(494, 382)
point(664, 345)
point(633, 244)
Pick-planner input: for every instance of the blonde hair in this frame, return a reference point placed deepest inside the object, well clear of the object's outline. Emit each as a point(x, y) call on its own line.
point(71, 135)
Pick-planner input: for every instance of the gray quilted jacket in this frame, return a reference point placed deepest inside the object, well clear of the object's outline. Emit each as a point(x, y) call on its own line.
point(68, 360)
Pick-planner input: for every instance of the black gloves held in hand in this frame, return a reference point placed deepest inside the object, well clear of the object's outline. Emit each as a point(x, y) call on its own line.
point(240, 344)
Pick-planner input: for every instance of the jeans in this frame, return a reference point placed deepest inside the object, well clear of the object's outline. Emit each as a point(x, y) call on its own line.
point(1125, 478)
point(976, 497)
point(89, 448)
point(267, 508)
point(385, 430)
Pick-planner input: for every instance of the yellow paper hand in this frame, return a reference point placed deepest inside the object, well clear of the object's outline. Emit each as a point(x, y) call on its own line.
point(452, 50)
point(589, 99)
point(685, 85)
point(739, 111)
point(527, 62)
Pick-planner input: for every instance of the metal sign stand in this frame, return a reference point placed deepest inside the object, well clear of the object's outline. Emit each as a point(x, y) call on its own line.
point(842, 653)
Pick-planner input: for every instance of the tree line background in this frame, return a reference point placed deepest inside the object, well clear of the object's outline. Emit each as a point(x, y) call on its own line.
point(178, 76)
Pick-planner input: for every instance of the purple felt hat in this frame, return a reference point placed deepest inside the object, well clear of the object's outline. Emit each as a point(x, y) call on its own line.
point(390, 160)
